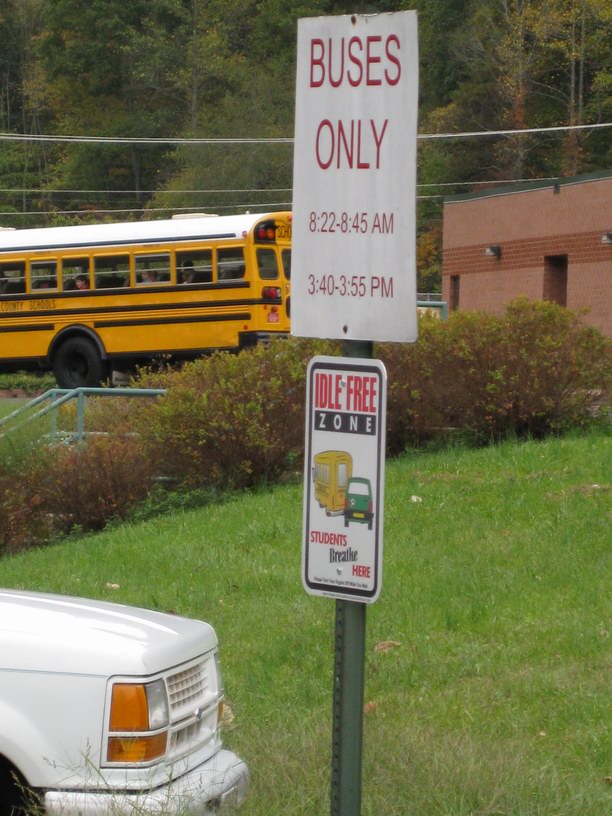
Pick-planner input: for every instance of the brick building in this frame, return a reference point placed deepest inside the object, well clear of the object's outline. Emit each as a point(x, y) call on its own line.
point(548, 241)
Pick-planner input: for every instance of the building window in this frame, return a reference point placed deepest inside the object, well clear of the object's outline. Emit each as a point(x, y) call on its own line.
point(454, 292)
point(555, 279)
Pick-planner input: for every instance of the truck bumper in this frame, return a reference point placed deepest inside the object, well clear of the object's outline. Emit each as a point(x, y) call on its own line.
point(215, 787)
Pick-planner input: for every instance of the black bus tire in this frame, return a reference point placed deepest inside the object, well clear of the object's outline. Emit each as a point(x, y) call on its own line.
point(77, 363)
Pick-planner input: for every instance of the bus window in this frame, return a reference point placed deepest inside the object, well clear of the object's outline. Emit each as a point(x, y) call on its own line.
point(73, 268)
point(230, 263)
point(12, 278)
point(152, 268)
point(286, 258)
point(194, 267)
point(43, 275)
point(267, 264)
point(112, 271)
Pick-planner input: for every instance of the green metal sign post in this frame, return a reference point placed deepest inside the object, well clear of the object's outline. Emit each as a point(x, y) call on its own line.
point(347, 714)
point(348, 691)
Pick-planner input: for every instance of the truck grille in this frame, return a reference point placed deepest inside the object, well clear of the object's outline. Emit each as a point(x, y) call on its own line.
point(193, 694)
point(188, 687)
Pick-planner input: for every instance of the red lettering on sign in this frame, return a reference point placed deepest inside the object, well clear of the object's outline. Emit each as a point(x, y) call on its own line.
point(328, 391)
point(359, 61)
point(361, 394)
point(372, 59)
point(355, 79)
point(317, 69)
point(353, 144)
point(360, 571)
point(395, 78)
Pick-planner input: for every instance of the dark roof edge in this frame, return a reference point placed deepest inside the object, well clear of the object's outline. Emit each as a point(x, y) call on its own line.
point(598, 175)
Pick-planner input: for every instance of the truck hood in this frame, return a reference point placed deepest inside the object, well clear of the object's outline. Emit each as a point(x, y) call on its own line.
point(56, 633)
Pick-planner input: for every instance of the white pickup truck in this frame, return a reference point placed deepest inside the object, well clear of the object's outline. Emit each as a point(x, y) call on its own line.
point(108, 709)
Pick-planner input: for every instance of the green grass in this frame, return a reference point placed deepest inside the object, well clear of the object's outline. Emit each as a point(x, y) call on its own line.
point(497, 588)
point(7, 406)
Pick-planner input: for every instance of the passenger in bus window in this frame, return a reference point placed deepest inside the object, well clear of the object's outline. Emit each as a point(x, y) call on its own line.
point(81, 282)
point(187, 273)
point(149, 276)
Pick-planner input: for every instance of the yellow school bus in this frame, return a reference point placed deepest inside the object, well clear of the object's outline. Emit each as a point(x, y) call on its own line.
point(84, 301)
point(331, 472)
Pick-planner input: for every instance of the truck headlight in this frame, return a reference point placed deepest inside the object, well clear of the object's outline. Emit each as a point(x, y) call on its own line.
point(137, 708)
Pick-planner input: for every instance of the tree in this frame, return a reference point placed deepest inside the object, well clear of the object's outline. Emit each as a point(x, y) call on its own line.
point(111, 71)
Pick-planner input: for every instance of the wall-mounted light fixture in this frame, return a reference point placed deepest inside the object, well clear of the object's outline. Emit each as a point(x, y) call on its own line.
point(493, 251)
point(606, 238)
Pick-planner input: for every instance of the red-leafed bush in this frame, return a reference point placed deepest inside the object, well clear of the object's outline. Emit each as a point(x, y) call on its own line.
point(233, 421)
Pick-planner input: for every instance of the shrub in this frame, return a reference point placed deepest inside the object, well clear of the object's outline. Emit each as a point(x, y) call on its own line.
point(88, 484)
point(26, 383)
point(534, 370)
point(233, 421)
point(23, 520)
point(82, 486)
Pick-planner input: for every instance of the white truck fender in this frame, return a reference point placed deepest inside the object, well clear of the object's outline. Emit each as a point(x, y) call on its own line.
point(24, 745)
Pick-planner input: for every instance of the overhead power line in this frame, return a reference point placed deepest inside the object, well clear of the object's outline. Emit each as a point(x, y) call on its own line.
point(266, 207)
point(50, 191)
point(143, 192)
point(132, 140)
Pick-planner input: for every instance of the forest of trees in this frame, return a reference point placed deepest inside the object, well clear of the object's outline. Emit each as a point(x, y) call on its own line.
point(168, 69)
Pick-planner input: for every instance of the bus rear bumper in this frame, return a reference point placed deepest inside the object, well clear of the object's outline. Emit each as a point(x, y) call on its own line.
point(250, 339)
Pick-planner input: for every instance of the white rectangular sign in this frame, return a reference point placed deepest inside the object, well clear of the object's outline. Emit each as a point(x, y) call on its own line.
point(354, 178)
point(344, 478)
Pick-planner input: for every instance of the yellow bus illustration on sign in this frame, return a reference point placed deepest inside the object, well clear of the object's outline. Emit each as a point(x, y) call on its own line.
point(331, 472)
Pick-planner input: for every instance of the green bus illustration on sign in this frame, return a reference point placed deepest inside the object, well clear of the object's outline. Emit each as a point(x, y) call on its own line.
point(358, 502)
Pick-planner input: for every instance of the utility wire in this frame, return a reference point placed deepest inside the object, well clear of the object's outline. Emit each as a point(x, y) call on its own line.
point(31, 137)
point(266, 206)
point(44, 191)
point(139, 192)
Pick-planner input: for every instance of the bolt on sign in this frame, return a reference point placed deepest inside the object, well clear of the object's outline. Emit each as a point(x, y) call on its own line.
point(354, 202)
point(344, 478)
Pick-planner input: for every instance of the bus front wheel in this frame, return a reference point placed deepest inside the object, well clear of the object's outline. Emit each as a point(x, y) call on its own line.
point(78, 363)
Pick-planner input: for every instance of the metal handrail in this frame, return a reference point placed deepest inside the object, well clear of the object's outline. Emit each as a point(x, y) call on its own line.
point(61, 396)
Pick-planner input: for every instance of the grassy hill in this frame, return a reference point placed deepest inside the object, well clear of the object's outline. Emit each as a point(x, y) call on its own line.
point(491, 696)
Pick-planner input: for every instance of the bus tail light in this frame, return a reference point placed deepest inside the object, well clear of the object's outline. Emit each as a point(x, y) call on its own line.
point(271, 293)
point(265, 232)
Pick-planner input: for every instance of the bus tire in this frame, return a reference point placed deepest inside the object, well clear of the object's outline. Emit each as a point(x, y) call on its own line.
point(77, 363)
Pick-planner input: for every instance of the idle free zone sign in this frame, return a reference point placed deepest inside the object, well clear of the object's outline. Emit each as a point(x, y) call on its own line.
point(344, 478)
